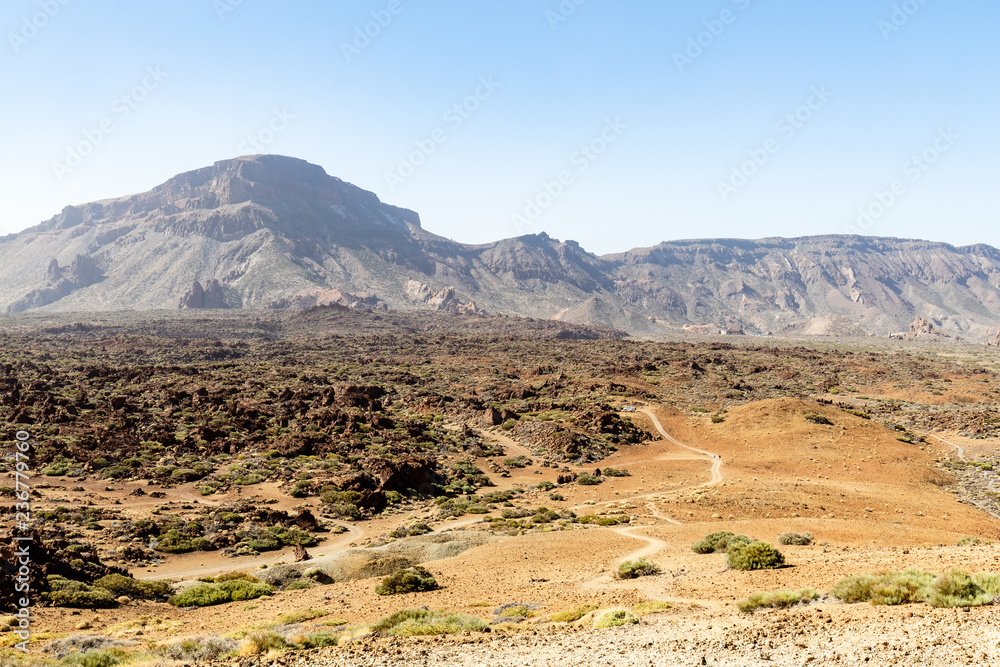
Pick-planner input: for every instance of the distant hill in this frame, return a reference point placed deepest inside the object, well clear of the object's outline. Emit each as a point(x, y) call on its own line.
point(272, 231)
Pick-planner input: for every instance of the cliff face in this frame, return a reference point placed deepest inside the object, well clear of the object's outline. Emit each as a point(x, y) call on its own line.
point(274, 231)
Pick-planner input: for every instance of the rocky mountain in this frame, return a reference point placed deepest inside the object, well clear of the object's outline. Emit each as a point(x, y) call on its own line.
point(269, 231)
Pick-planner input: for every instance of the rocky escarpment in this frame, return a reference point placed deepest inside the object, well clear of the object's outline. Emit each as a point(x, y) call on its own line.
point(272, 231)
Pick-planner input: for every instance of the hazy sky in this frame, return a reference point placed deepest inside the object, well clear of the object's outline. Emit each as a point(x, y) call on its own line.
point(617, 124)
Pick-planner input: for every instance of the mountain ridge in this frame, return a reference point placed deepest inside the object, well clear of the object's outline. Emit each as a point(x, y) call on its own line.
point(268, 230)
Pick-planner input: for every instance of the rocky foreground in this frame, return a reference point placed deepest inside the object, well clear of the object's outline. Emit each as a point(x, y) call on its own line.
point(826, 634)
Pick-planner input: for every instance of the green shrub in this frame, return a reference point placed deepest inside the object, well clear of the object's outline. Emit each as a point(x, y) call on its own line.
point(888, 588)
point(777, 599)
point(632, 569)
point(799, 539)
point(586, 479)
point(236, 576)
point(414, 622)
point(99, 658)
point(614, 472)
point(970, 541)
point(574, 614)
point(233, 590)
point(817, 419)
point(718, 419)
point(319, 639)
point(754, 556)
point(718, 541)
point(262, 641)
point(613, 618)
point(956, 588)
point(70, 593)
point(173, 541)
point(409, 580)
point(118, 585)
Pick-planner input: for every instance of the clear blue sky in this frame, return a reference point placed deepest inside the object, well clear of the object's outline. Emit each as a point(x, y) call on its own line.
point(199, 79)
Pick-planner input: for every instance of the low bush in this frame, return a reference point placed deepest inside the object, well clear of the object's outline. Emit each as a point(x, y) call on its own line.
point(777, 599)
point(574, 614)
point(817, 419)
point(262, 641)
point(718, 541)
point(586, 479)
point(409, 580)
point(613, 618)
point(888, 588)
point(632, 569)
point(956, 588)
point(119, 585)
point(414, 622)
point(198, 649)
point(236, 576)
point(614, 472)
point(753, 556)
point(414, 529)
point(99, 658)
point(228, 591)
point(970, 541)
point(799, 539)
point(65, 592)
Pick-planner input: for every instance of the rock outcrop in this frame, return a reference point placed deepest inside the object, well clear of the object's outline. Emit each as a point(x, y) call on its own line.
point(329, 297)
point(199, 297)
point(444, 300)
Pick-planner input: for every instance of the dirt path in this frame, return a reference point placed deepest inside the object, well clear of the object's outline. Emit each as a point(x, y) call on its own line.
point(960, 450)
point(715, 458)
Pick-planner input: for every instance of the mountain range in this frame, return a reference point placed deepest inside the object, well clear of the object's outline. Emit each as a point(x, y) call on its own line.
point(269, 231)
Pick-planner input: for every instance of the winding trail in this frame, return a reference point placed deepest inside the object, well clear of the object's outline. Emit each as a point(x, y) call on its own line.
point(716, 476)
point(355, 533)
point(959, 449)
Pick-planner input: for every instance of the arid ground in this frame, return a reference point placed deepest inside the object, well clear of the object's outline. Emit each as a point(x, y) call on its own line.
point(520, 462)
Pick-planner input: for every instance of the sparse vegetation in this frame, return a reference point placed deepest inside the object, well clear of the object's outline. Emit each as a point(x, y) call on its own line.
point(233, 590)
point(753, 556)
point(718, 541)
point(409, 580)
point(632, 569)
point(777, 599)
point(889, 588)
point(415, 622)
point(817, 419)
point(800, 539)
point(612, 618)
point(573, 614)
